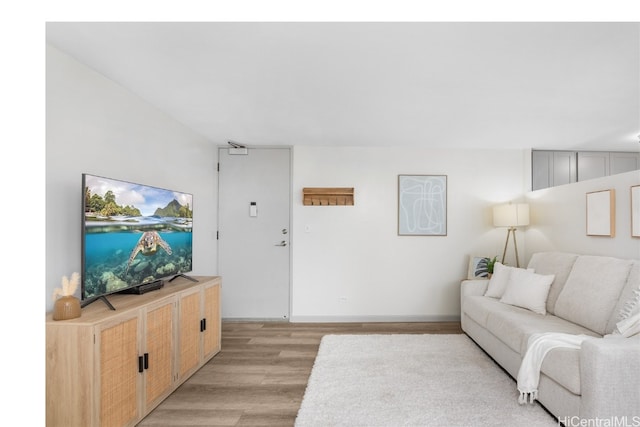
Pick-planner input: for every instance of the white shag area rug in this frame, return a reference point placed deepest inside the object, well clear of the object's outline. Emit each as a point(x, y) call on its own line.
point(411, 380)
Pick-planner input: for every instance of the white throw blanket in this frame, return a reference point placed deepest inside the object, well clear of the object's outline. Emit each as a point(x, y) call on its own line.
point(537, 348)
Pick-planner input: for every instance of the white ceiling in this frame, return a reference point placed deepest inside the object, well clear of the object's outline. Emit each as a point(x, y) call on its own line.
point(491, 85)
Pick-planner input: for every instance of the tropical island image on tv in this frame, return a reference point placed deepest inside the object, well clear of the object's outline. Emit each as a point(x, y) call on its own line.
point(133, 234)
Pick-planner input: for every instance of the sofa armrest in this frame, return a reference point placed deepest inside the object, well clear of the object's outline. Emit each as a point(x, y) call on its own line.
point(610, 378)
point(473, 287)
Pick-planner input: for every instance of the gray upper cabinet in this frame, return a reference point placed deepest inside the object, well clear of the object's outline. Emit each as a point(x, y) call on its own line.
point(623, 162)
point(551, 168)
point(592, 164)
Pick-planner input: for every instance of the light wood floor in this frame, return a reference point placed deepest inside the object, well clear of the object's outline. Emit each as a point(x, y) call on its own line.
point(260, 375)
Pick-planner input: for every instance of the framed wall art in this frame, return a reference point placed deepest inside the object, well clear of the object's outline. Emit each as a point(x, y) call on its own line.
point(480, 267)
point(601, 213)
point(635, 211)
point(422, 205)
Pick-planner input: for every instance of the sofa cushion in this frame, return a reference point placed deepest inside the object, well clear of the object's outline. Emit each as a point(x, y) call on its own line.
point(563, 366)
point(479, 307)
point(513, 326)
point(557, 263)
point(592, 291)
point(528, 290)
point(629, 301)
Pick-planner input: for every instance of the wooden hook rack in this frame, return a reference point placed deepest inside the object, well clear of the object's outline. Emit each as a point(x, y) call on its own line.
point(327, 196)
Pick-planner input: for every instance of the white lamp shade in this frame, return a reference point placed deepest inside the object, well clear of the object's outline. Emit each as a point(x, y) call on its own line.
point(511, 215)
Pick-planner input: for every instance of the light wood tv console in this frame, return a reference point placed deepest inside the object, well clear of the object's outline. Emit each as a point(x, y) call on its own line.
point(111, 368)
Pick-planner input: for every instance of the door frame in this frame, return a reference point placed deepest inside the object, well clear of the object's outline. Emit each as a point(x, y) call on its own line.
point(291, 238)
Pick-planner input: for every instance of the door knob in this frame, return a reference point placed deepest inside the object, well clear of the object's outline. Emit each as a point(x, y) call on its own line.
point(283, 243)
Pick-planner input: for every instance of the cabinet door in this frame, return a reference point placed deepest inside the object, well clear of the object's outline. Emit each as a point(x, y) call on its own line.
point(189, 331)
point(211, 337)
point(592, 164)
point(564, 167)
point(158, 352)
point(118, 375)
point(541, 169)
point(623, 162)
point(552, 168)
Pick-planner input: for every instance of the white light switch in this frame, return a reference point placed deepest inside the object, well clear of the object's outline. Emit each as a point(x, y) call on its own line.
point(253, 209)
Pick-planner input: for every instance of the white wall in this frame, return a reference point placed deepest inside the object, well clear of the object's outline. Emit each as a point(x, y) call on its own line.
point(558, 219)
point(96, 126)
point(352, 265)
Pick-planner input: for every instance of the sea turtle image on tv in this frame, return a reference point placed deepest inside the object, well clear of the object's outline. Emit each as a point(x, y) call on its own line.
point(148, 245)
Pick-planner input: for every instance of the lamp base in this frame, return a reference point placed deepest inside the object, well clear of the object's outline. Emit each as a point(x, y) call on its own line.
point(515, 245)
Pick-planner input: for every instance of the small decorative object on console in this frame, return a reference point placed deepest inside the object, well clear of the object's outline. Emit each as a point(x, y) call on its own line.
point(67, 306)
point(480, 267)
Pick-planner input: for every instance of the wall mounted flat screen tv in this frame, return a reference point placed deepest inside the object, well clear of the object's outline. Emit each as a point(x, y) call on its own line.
point(132, 235)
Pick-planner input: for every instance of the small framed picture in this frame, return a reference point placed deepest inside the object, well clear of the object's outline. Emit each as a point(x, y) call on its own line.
point(478, 267)
point(601, 213)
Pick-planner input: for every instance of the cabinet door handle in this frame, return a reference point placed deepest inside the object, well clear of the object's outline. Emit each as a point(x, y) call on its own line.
point(204, 322)
point(146, 361)
point(201, 325)
point(140, 364)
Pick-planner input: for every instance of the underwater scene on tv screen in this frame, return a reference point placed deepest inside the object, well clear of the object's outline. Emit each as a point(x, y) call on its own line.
point(133, 234)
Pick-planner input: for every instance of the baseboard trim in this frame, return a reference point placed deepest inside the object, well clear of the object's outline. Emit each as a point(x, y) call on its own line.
point(254, 319)
point(374, 319)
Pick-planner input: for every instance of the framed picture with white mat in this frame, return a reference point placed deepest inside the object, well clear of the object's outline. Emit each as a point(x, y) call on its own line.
point(601, 213)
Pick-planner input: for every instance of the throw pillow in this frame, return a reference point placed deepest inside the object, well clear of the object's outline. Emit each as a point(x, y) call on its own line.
point(528, 290)
point(498, 282)
point(629, 327)
point(632, 306)
point(629, 300)
point(499, 279)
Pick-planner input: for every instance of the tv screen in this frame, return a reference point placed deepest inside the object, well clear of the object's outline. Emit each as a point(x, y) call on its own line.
point(132, 234)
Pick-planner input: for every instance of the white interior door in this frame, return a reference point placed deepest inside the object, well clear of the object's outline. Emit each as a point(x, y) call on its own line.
point(254, 197)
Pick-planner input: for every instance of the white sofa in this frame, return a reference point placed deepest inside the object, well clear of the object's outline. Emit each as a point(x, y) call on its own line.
point(588, 295)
